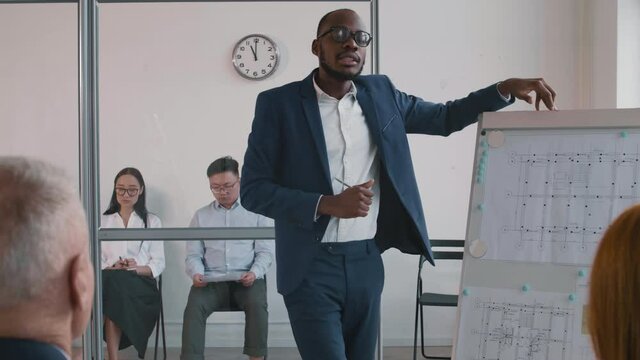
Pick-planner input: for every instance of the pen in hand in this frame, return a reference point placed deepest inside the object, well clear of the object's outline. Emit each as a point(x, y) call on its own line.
point(352, 201)
point(117, 263)
point(124, 262)
point(342, 182)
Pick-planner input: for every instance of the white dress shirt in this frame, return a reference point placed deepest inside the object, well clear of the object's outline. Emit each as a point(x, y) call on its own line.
point(146, 253)
point(213, 258)
point(353, 158)
point(66, 356)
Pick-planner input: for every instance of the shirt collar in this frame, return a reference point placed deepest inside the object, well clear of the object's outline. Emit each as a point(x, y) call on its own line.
point(133, 215)
point(61, 351)
point(217, 205)
point(322, 95)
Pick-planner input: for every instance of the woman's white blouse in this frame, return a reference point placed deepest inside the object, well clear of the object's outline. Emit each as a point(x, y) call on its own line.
point(149, 253)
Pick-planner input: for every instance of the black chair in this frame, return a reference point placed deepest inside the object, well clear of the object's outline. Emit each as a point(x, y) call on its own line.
point(434, 299)
point(160, 323)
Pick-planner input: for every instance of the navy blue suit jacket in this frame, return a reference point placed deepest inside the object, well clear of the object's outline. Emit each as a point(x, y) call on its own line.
point(286, 167)
point(23, 349)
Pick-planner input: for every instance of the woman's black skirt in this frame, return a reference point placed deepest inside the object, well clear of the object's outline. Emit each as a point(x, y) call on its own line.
point(132, 302)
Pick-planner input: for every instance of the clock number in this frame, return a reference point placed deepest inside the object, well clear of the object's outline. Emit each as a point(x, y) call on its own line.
point(241, 65)
point(246, 70)
point(238, 56)
point(272, 57)
point(270, 48)
point(264, 71)
point(241, 48)
point(247, 42)
point(269, 65)
point(255, 73)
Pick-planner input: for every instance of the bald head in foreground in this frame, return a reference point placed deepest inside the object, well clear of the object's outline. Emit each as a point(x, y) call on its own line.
point(46, 278)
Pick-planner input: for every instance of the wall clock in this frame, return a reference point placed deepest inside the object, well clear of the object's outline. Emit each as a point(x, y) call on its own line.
point(255, 57)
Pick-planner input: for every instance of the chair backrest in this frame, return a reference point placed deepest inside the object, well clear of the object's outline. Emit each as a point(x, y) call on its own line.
point(454, 251)
point(453, 254)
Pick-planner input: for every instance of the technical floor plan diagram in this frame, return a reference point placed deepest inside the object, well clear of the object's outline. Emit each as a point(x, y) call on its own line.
point(551, 196)
point(503, 324)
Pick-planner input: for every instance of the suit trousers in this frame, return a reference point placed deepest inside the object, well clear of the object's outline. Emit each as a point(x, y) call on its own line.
point(204, 301)
point(335, 311)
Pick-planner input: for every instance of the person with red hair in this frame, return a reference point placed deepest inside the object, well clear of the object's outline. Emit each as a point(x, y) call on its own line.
point(614, 299)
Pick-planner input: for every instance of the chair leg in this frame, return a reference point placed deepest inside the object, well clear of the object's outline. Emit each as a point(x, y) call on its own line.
point(422, 340)
point(160, 322)
point(415, 330)
point(164, 338)
point(155, 348)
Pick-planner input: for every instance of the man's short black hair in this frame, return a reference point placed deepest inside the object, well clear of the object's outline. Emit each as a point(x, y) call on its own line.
point(223, 164)
point(323, 20)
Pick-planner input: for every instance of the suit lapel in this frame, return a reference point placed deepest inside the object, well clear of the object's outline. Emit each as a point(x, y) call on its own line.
point(365, 99)
point(312, 114)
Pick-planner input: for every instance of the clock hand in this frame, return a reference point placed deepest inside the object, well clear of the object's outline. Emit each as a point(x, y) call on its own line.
point(255, 56)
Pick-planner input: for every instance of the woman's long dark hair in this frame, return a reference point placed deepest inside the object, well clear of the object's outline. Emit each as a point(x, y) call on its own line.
point(140, 207)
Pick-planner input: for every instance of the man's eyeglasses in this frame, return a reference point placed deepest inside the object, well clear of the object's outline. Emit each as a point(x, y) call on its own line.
point(131, 192)
point(342, 33)
point(226, 188)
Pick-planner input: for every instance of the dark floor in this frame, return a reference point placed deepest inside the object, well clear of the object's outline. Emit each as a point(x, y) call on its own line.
point(389, 353)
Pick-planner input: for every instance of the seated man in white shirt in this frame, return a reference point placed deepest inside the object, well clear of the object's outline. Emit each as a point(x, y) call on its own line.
point(227, 269)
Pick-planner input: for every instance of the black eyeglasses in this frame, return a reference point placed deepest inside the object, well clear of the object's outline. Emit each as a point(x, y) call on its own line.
point(131, 192)
point(342, 33)
point(226, 188)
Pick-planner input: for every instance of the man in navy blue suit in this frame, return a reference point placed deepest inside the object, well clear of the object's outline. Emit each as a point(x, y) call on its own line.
point(328, 159)
point(46, 278)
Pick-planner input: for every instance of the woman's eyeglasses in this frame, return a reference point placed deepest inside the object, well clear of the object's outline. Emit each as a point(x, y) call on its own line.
point(131, 191)
point(342, 33)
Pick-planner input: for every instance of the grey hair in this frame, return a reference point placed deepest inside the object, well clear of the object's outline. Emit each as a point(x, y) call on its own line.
point(40, 219)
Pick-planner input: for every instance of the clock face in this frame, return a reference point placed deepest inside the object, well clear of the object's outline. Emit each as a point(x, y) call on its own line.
point(255, 57)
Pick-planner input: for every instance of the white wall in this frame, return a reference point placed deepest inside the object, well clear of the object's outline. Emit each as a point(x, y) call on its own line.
point(442, 50)
point(628, 53)
point(170, 103)
point(600, 48)
point(39, 83)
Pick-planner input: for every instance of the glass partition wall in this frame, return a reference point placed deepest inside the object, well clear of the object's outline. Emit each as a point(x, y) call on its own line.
point(39, 85)
point(158, 92)
point(149, 85)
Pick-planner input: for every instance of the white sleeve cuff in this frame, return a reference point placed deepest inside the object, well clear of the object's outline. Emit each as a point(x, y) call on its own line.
point(505, 98)
point(317, 216)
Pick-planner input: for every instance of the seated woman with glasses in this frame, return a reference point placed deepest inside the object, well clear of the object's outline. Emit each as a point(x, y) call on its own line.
point(614, 298)
point(131, 300)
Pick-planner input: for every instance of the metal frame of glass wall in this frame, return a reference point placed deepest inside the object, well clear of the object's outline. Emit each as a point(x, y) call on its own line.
point(89, 158)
